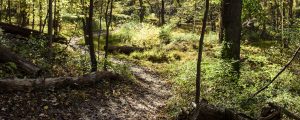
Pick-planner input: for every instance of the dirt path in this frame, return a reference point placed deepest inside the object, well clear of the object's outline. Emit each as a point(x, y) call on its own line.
point(145, 99)
point(114, 99)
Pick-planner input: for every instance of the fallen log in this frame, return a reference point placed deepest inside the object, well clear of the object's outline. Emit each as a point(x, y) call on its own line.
point(123, 49)
point(17, 84)
point(25, 32)
point(7, 56)
point(205, 111)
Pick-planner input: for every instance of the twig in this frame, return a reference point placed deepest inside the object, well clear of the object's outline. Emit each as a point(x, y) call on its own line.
point(282, 70)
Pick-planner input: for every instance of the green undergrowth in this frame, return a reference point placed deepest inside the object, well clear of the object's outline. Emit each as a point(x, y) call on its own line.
point(175, 60)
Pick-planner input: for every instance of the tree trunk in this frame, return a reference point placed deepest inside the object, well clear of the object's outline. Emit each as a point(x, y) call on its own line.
point(108, 22)
point(291, 14)
point(56, 22)
point(231, 24)
point(162, 12)
point(100, 28)
point(8, 56)
point(9, 11)
point(205, 111)
point(61, 82)
point(273, 15)
point(201, 41)
point(25, 32)
point(1, 9)
point(50, 29)
point(221, 28)
point(40, 15)
point(142, 10)
point(90, 37)
point(55, 18)
point(33, 14)
point(278, 15)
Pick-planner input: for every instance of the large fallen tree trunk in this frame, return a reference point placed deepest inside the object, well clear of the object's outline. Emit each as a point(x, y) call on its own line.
point(124, 49)
point(7, 56)
point(60, 82)
point(25, 32)
point(205, 111)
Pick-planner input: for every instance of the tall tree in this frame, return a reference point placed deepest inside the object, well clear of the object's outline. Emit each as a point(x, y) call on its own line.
point(231, 31)
point(56, 22)
point(100, 27)
point(198, 76)
point(33, 13)
point(142, 10)
point(291, 14)
point(9, 11)
point(40, 16)
point(162, 12)
point(108, 19)
point(1, 9)
point(90, 37)
point(50, 28)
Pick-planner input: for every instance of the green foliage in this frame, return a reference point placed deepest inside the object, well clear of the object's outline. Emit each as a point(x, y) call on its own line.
point(137, 34)
point(220, 88)
point(252, 8)
point(153, 55)
point(165, 34)
point(179, 37)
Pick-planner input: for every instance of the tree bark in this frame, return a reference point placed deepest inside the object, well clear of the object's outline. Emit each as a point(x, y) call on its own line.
point(201, 42)
point(56, 20)
point(25, 32)
point(55, 26)
point(291, 14)
point(61, 82)
point(162, 12)
point(142, 10)
point(1, 10)
point(100, 28)
point(33, 14)
point(90, 37)
point(8, 56)
point(221, 28)
point(40, 16)
point(50, 29)
point(206, 111)
point(108, 18)
point(9, 11)
point(231, 24)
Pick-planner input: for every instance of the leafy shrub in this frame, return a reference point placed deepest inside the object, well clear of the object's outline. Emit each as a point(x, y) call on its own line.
point(165, 34)
point(147, 36)
point(125, 32)
point(137, 34)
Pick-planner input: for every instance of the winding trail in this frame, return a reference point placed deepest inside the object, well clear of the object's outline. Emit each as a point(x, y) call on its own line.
point(144, 101)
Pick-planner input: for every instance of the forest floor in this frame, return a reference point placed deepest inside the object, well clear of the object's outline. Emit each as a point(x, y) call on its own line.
point(142, 97)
